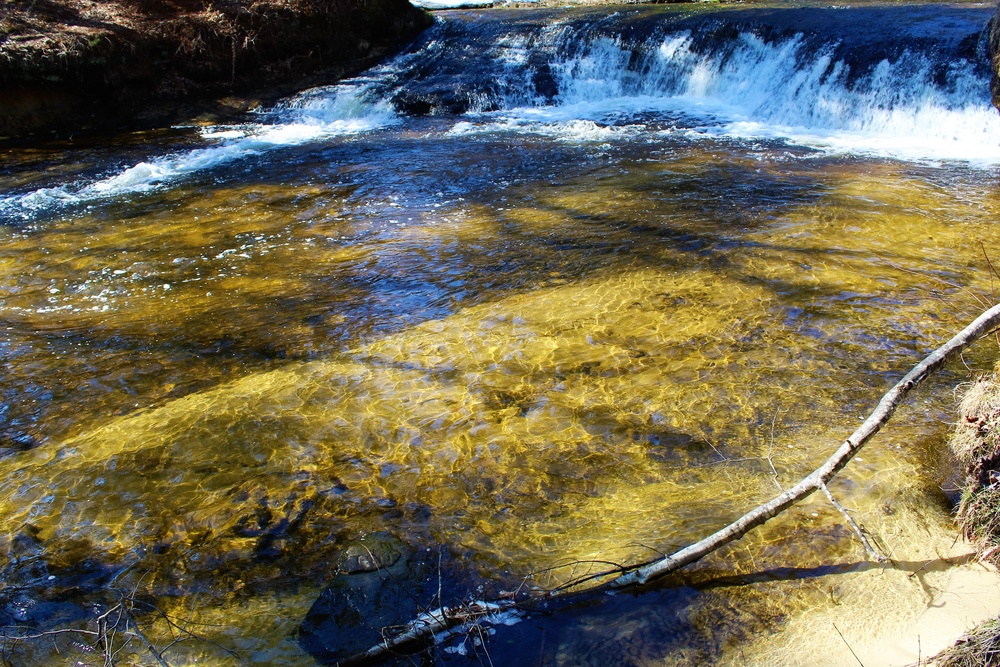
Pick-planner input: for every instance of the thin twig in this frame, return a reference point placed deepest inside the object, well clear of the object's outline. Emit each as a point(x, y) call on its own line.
point(647, 547)
point(986, 555)
point(193, 635)
point(848, 645)
point(616, 568)
point(440, 596)
point(869, 549)
point(47, 633)
point(770, 451)
point(129, 619)
point(482, 642)
point(993, 272)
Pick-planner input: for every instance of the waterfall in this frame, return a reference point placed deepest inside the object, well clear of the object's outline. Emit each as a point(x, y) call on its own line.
point(916, 99)
point(845, 81)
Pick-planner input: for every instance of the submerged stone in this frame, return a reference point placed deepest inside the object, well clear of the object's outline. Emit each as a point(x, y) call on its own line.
point(380, 585)
point(371, 553)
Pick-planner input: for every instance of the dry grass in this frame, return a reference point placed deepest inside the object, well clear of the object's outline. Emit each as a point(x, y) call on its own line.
point(979, 648)
point(977, 436)
point(976, 443)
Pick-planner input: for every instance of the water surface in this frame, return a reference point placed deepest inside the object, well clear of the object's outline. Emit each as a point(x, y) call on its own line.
point(631, 271)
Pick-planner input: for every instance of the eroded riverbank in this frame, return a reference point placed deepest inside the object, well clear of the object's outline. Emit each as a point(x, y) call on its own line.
point(74, 67)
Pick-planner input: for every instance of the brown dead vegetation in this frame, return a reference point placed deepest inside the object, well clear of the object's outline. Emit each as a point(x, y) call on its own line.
point(976, 443)
point(72, 65)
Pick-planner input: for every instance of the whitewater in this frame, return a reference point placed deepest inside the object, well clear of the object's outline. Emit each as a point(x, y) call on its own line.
point(793, 88)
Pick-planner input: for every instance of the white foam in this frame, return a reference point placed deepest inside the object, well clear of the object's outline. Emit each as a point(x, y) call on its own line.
point(311, 116)
point(451, 4)
point(771, 90)
point(923, 135)
point(221, 133)
point(774, 91)
point(556, 126)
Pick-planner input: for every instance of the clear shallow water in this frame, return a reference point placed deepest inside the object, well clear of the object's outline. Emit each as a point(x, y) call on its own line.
point(531, 333)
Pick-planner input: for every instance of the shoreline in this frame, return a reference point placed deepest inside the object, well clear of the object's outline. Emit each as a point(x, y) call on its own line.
point(78, 67)
point(73, 68)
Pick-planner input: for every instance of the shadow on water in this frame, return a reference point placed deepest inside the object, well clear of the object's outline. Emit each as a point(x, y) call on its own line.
point(521, 348)
point(388, 279)
point(682, 621)
point(497, 233)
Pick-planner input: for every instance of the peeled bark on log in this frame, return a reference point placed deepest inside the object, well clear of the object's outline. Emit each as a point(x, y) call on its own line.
point(430, 625)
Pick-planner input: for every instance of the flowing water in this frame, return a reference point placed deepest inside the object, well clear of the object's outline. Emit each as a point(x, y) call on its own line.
point(551, 287)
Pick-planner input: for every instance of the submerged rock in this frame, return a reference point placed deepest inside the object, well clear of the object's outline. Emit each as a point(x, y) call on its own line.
point(45, 585)
point(378, 551)
point(380, 585)
point(12, 442)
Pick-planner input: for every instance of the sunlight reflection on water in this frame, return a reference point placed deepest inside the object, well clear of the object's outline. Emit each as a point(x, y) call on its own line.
point(531, 352)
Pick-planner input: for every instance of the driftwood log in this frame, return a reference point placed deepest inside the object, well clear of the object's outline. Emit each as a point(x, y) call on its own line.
point(435, 626)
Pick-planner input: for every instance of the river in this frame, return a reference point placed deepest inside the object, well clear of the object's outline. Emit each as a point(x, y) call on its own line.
point(553, 288)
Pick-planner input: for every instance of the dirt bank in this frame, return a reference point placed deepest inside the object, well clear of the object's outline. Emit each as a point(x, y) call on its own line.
point(976, 443)
point(73, 66)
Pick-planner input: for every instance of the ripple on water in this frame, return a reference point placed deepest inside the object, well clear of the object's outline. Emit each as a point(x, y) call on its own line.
point(534, 376)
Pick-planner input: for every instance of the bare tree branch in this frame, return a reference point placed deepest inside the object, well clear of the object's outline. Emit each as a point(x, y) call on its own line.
point(819, 477)
point(429, 627)
point(869, 549)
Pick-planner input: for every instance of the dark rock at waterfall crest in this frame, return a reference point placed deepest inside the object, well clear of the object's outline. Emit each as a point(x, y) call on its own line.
point(467, 70)
point(73, 66)
point(994, 46)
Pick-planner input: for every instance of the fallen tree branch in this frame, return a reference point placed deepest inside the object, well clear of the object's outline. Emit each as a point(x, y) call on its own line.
point(858, 530)
point(430, 628)
point(819, 477)
point(426, 627)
